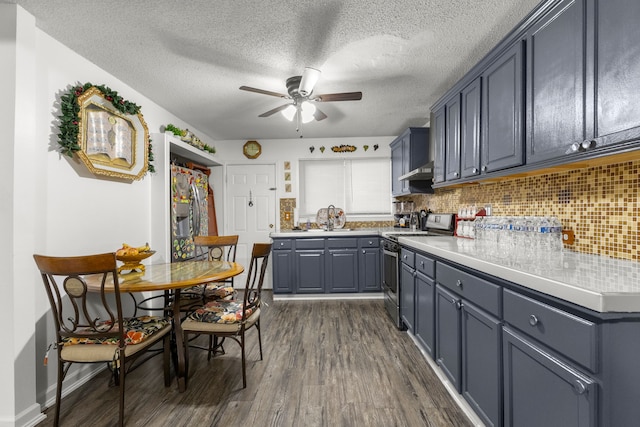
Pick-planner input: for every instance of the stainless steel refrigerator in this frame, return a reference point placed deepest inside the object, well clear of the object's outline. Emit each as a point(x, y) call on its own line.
point(189, 216)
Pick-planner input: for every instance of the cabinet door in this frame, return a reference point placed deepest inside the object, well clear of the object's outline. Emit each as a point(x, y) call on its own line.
point(310, 271)
point(406, 159)
point(448, 335)
point(470, 132)
point(482, 363)
point(407, 296)
point(369, 270)
point(555, 82)
point(342, 270)
point(439, 134)
point(396, 167)
point(283, 271)
point(452, 138)
point(425, 314)
point(502, 124)
point(540, 390)
point(615, 77)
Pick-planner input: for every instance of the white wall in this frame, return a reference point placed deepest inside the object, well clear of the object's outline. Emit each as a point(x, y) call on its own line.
point(52, 203)
point(277, 151)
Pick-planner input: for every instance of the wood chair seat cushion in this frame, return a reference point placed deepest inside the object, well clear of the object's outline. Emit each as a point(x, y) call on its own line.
point(220, 316)
point(138, 329)
point(108, 353)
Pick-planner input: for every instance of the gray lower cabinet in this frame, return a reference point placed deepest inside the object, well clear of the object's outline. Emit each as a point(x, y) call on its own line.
point(283, 268)
point(540, 390)
point(407, 289)
point(342, 270)
point(424, 328)
point(369, 265)
point(309, 270)
point(468, 339)
point(326, 265)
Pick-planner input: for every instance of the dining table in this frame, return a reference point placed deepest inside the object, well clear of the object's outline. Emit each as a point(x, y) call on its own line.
point(171, 278)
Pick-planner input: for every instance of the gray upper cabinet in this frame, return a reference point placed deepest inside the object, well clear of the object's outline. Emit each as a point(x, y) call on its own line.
point(555, 82)
point(452, 138)
point(409, 151)
point(613, 47)
point(470, 131)
point(502, 112)
point(438, 125)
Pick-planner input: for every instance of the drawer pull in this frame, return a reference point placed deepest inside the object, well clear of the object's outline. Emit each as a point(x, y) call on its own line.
point(370, 243)
point(421, 263)
point(364, 252)
point(533, 320)
point(580, 387)
point(459, 283)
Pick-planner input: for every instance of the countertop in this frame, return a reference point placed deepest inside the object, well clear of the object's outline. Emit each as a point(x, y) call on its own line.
point(598, 283)
point(595, 282)
point(316, 232)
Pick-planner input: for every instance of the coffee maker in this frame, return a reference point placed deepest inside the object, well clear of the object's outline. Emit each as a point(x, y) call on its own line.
point(402, 214)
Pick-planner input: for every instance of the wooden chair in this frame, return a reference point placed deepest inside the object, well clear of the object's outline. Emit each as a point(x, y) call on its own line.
point(211, 248)
point(232, 318)
point(90, 326)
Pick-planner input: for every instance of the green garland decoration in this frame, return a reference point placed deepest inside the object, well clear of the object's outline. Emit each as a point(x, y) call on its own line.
point(69, 125)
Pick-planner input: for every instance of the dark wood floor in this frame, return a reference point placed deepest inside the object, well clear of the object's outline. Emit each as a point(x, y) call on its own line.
point(326, 363)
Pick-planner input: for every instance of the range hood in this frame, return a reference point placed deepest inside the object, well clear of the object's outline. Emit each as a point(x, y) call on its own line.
point(423, 173)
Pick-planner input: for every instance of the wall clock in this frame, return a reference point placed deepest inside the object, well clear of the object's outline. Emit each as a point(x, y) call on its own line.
point(252, 149)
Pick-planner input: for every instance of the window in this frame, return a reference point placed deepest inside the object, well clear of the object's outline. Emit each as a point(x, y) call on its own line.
point(359, 186)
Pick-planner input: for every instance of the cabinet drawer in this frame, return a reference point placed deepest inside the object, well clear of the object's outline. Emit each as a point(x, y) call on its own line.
point(484, 294)
point(341, 243)
point(281, 244)
point(408, 257)
point(425, 265)
point(563, 332)
point(310, 244)
point(369, 242)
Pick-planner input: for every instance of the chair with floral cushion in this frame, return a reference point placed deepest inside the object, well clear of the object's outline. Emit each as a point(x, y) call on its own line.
point(232, 318)
point(90, 326)
point(211, 248)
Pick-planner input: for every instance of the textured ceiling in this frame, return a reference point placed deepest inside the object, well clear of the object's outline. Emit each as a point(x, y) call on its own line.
point(192, 56)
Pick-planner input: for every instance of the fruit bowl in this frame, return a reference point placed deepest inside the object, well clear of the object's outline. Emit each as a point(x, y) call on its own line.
point(132, 262)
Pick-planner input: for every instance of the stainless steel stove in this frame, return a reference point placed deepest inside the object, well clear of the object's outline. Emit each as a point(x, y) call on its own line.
point(433, 225)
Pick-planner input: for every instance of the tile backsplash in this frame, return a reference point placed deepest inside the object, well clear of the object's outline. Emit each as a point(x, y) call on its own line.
point(600, 204)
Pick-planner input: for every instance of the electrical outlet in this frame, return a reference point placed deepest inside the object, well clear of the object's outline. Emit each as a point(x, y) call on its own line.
point(568, 237)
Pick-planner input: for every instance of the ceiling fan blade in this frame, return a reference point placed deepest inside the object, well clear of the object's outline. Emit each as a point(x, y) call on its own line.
point(275, 110)
point(262, 91)
point(319, 115)
point(345, 96)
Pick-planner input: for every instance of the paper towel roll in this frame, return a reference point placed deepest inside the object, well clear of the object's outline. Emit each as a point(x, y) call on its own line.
point(296, 219)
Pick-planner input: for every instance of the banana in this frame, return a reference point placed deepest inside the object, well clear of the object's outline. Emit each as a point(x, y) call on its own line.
point(144, 248)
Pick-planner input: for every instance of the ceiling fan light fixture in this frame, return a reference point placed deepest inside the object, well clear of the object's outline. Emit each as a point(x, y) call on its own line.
point(290, 112)
point(309, 79)
point(307, 110)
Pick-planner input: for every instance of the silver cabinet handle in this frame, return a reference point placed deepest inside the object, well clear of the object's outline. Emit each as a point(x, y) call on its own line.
point(370, 243)
point(533, 320)
point(580, 387)
point(364, 252)
point(575, 147)
point(404, 257)
point(421, 263)
point(455, 174)
point(459, 283)
point(475, 170)
point(484, 168)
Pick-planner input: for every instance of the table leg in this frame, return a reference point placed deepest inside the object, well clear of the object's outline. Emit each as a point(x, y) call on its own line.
point(177, 327)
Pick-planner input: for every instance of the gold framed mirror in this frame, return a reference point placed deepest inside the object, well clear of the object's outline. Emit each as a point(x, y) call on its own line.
point(111, 143)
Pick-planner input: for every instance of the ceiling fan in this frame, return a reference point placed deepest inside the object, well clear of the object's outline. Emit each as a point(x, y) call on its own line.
point(300, 92)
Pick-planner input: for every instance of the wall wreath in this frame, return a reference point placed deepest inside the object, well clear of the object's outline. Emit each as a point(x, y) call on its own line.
point(107, 132)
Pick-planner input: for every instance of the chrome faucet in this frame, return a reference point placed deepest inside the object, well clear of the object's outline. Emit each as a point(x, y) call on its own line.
point(331, 212)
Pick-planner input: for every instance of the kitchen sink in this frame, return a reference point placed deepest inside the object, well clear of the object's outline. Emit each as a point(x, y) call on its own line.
point(322, 230)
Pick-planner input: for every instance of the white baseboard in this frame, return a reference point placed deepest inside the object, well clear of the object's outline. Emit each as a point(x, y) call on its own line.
point(320, 297)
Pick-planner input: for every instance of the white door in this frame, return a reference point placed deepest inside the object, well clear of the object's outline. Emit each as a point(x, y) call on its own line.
point(250, 211)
